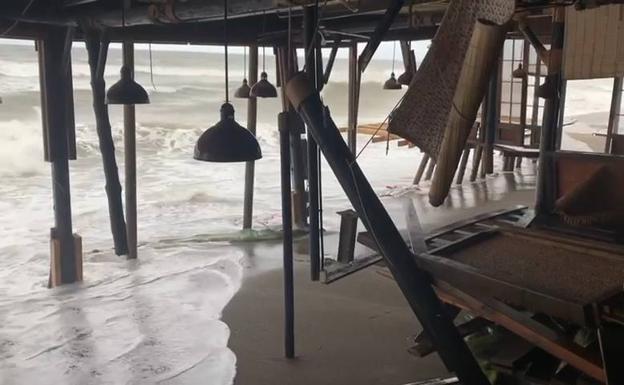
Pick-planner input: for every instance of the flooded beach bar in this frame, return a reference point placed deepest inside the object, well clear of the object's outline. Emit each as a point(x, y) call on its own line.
point(541, 284)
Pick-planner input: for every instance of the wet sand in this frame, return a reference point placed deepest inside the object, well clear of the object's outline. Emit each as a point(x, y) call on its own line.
point(356, 330)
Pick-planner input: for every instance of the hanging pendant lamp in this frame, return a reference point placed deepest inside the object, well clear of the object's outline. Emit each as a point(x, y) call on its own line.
point(126, 90)
point(242, 92)
point(227, 141)
point(405, 78)
point(520, 72)
point(263, 88)
point(392, 83)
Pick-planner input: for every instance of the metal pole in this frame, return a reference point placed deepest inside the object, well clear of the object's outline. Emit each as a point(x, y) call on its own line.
point(252, 114)
point(414, 282)
point(289, 299)
point(130, 160)
point(550, 126)
point(353, 98)
point(309, 26)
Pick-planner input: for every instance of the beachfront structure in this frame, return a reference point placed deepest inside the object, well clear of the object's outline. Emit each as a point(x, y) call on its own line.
point(547, 274)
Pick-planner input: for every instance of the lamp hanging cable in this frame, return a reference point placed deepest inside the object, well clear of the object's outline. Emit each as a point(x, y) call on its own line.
point(225, 42)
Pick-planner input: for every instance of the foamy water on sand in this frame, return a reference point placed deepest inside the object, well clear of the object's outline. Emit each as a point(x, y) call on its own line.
point(154, 320)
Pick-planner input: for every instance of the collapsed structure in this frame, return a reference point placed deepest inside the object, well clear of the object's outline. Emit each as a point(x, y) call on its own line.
point(547, 275)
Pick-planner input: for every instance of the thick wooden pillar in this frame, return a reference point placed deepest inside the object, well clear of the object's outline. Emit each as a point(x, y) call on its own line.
point(252, 115)
point(492, 119)
point(550, 126)
point(130, 161)
point(58, 123)
point(98, 51)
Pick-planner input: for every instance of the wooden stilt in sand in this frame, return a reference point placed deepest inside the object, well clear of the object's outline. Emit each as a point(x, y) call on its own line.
point(252, 115)
point(492, 119)
point(485, 47)
point(59, 139)
point(130, 160)
point(286, 120)
point(98, 51)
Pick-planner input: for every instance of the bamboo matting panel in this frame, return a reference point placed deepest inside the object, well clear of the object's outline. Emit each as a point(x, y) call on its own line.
point(594, 43)
point(559, 272)
point(423, 114)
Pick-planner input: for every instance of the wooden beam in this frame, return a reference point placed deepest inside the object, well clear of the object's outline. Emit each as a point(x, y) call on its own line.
point(614, 112)
point(382, 27)
point(525, 327)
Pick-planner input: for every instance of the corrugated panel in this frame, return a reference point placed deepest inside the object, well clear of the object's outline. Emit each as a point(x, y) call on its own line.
point(594, 43)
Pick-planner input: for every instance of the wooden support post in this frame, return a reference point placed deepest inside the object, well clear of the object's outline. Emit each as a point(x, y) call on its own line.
point(548, 140)
point(414, 282)
point(55, 73)
point(614, 113)
point(462, 166)
point(97, 52)
point(476, 162)
point(130, 161)
point(312, 70)
point(421, 168)
point(289, 298)
point(252, 115)
point(492, 119)
point(430, 169)
point(348, 233)
point(354, 98)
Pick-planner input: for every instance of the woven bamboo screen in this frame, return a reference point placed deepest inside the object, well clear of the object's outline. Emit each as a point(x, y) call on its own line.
point(594, 43)
point(423, 115)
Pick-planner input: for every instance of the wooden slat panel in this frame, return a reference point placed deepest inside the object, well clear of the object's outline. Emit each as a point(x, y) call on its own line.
point(594, 45)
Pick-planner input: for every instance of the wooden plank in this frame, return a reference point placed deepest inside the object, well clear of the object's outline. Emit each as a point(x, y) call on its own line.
point(424, 347)
point(588, 43)
point(620, 42)
point(570, 38)
point(611, 39)
point(525, 327)
point(599, 42)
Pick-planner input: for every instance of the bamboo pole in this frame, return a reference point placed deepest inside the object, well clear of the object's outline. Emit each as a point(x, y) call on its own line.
point(484, 49)
point(97, 51)
point(252, 115)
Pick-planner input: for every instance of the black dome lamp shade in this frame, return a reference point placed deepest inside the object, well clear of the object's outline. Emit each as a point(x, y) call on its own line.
point(392, 83)
point(405, 78)
point(242, 92)
point(264, 88)
point(227, 141)
point(520, 72)
point(126, 90)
